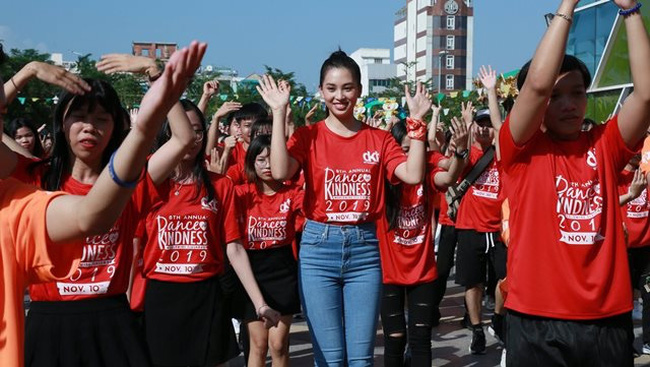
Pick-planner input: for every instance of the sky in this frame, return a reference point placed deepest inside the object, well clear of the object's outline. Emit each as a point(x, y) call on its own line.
point(290, 35)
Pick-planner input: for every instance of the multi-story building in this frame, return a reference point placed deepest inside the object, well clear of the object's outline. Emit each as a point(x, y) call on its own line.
point(434, 40)
point(155, 50)
point(599, 39)
point(376, 69)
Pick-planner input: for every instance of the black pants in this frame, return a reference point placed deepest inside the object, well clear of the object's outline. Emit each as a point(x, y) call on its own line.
point(639, 260)
point(420, 306)
point(444, 263)
point(539, 341)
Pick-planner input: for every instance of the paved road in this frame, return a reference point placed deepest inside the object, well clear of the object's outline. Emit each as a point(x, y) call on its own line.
point(450, 341)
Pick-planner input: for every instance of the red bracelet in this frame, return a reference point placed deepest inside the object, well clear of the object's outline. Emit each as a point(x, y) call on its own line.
point(416, 129)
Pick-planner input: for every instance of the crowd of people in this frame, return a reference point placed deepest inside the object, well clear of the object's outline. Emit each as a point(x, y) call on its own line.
point(140, 234)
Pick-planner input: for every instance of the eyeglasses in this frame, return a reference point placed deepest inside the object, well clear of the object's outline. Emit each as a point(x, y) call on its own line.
point(198, 135)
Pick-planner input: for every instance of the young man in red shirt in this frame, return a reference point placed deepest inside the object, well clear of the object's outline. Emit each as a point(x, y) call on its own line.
point(569, 297)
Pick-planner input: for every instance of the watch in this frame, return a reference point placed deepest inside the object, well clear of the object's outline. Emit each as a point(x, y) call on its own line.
point(462, 154)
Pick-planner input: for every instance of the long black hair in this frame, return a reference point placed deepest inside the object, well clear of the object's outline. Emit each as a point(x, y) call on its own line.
point(198, 169)
point(17, 123)
point(394, 192)
point(102, 94)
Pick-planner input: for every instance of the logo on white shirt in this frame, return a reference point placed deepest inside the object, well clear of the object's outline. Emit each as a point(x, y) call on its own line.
point(371, 157)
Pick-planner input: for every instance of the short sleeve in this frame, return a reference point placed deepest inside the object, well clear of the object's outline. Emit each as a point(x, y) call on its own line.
point(298, 145)
point(24, 220)
point(509, 151)
point(230, 228)
point(645, 156)
point(236, 174)
point(615, 146)
point(393, 157)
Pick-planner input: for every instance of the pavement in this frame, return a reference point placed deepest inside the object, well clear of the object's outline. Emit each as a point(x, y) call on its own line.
point(450, 342)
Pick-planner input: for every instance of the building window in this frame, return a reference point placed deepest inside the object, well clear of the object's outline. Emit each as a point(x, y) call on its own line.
point(378, 61)
point(450, 61)
point(449, 85)
point(379, 83)
point(451, 42)
point(451, 22)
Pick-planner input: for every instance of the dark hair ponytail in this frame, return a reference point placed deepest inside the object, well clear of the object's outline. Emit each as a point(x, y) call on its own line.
point(340, 60)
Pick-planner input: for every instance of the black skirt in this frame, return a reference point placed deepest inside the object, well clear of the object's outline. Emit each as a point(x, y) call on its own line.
point(95, 332)
point(276, 272)
point(186, 324)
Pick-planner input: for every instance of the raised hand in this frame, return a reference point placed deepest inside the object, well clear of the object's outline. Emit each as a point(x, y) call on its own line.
point(211, 88)
point(225, 109)
point(459, 134)
point(488, 77)
point(420, 103)
point(639, 183)
point(467, 112)
point(310, 114)
point(114, 63)
point(58, 76)
point(276, 96)
point(213, 165)
point(166, 91)
point(133, 114)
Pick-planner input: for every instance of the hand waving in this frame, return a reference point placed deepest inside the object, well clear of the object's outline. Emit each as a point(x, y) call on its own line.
point(211, 88)
point(488, 77)
point(58, 76)
point(420, 103)
point(114, 63)
point(276, 96)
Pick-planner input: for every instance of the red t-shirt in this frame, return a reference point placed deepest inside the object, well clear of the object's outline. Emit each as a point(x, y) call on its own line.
point(268, 221)
point(635, 213)
point(407, 251)
point(186, 236)
point(480, 208)
point(106, 259)
point(344, 176)
point(236, 173)
point(237, 155)
point(567, 257)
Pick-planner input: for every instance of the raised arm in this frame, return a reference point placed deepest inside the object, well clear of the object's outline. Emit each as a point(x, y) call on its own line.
point(488, 78)
point(283, 166)
point(47, 73)
point(637, 185)
point(528, 112)
point(443, 179)
point(433, 129)
point(209, 90)
point(634, 118)
point(412, 171)
point(213, 131)
point(70, 217)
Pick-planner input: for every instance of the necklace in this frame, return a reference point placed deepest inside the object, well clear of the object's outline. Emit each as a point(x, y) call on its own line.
point(178, 185)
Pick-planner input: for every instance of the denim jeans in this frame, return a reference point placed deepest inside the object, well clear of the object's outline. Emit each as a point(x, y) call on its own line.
point(340, 290)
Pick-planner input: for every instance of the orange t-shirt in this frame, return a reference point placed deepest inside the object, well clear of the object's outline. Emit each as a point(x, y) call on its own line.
point(25, 258)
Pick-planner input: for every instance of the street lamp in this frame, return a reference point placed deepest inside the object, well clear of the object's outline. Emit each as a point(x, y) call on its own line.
point(440, 55)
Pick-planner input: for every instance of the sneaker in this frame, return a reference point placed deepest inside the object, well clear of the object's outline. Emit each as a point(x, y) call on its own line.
point(646, 348)
point(477, 346)
point(503, 358)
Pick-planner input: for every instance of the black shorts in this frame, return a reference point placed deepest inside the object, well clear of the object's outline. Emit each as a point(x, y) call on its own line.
point(276, 273)
point(538, 341)
point(186, 324)
point(473, 252)
point(639, 261)
point(92, 332)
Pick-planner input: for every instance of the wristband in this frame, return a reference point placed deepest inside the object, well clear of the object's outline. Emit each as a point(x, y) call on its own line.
point(416, 129)
point(258, 310)
point(117, 180)
point(630, 11)
point(565, 17)
point(14, 83)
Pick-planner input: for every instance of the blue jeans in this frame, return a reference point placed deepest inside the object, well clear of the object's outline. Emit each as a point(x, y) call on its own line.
point(340, 290)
